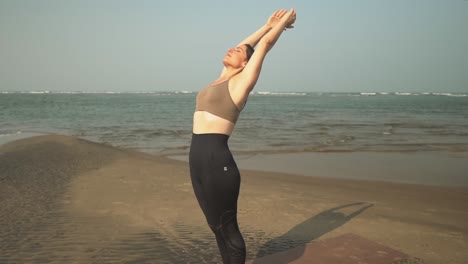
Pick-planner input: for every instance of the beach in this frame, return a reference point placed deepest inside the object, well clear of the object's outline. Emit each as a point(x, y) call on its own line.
point(351, 137)
point(64, 199)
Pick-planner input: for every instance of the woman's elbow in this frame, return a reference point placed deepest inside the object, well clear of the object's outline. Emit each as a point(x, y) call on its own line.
point(266, 44)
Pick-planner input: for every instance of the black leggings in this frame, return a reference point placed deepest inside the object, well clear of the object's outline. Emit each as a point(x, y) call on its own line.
point(216, 183)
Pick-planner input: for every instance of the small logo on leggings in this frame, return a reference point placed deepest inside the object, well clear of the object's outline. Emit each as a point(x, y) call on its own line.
point(225, 168)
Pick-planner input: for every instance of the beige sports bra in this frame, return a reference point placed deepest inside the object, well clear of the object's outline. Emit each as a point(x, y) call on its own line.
point(217, 100)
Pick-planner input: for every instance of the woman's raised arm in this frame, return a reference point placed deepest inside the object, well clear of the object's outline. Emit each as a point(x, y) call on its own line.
point(253, 39)
point(249, 75)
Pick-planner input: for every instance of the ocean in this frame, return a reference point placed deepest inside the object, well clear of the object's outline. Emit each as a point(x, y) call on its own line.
point(160, 122)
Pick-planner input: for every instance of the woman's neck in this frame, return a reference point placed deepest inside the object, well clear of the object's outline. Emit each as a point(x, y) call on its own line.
point(228, 74)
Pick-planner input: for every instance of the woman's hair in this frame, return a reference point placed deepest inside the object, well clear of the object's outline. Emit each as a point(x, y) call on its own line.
point(250, 51)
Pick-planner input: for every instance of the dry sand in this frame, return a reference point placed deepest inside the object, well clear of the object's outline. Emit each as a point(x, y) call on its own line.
point(67, 200)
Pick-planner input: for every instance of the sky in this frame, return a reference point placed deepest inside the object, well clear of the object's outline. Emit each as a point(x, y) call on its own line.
point(336, 46)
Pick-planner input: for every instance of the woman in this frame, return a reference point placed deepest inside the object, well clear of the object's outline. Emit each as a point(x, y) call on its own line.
point(214, 173)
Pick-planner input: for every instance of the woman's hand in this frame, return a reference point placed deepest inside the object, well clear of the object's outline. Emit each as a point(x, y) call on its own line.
point(276, 17)
point(291, 18)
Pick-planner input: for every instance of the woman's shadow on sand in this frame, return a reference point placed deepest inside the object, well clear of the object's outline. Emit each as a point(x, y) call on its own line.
point(309, 230)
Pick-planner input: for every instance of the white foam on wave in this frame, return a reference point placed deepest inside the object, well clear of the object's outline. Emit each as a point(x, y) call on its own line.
point(280, 93)
point(35, 92)
point(11, 134)
point(340, 94)
point(368, 94)
point(68, 92)
point(450, 94)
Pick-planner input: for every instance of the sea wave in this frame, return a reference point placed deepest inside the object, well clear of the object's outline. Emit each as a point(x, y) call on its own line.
point(98, 92)
point(334, 94)
point(267, 93)
point(450, 94)
point(9, 133)
point(280, 93)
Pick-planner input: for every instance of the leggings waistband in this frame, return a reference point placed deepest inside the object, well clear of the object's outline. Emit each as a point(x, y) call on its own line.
point(209, 141)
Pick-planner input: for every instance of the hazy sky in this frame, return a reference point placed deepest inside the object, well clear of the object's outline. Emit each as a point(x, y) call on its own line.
point(339, 46)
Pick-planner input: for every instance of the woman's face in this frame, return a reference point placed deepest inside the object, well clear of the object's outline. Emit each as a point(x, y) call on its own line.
point(236, 57)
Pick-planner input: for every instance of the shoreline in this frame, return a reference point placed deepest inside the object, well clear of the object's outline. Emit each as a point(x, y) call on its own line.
point(434, 168)
point(420, 168)
point(89, 202)
point(176, 143)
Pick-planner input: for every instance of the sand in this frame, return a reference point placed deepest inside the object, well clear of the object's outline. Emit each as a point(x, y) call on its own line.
point(440, 168)
point(68, 200)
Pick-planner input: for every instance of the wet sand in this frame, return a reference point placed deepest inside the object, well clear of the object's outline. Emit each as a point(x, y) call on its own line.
point(68, 200)
point(440, 168)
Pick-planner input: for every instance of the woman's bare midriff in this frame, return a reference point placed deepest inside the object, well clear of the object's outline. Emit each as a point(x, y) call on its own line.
point(205, 122)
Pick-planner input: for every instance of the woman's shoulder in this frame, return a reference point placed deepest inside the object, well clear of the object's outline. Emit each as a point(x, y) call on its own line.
point(240, 82)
